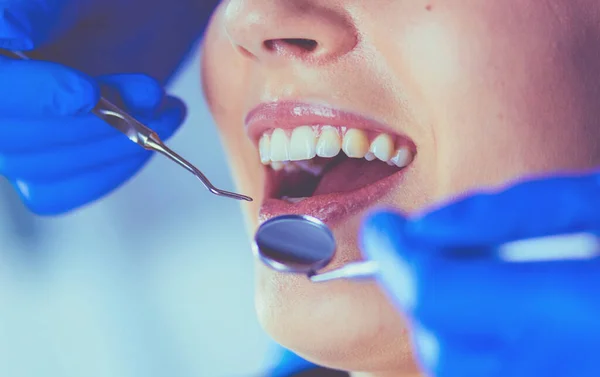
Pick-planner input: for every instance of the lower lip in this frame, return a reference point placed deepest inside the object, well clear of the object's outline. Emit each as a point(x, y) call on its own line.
point(335, 207)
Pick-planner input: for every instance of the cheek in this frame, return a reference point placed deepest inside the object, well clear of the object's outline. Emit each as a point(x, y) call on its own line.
point(502, 92)
point(223, 78)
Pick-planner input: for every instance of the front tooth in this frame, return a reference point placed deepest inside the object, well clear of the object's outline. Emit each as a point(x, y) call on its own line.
point(276, 165)
point(302, 144)
point(356, 143)
point(402, 157)
point(264, 148)
point(329, 143)
point(280, 145)
point(370, 156)
point(382, 147)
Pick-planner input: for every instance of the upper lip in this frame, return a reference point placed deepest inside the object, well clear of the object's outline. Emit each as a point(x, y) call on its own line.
point(292, 114)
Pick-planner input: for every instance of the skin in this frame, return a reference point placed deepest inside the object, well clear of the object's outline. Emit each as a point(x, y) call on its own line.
point(489, 91)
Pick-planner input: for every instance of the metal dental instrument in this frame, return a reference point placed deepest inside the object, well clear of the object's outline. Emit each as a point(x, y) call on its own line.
point(304, 245)
point(144, 137)
point(148, 139)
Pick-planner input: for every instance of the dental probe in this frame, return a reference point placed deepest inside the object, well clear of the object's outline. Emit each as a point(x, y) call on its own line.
point(143, 136)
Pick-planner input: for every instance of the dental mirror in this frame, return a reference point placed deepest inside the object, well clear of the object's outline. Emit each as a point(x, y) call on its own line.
point(303, 244)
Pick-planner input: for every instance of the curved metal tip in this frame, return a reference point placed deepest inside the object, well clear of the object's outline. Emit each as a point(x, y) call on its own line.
point(154, 143)
point(231, 195)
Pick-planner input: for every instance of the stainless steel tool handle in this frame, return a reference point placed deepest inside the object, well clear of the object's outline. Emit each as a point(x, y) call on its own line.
point(117, 118)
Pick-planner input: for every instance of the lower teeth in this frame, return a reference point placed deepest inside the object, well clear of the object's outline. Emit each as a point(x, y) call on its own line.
point(292, 200)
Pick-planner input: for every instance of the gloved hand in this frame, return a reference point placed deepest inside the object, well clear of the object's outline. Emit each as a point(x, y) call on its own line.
point(58, 157)
point(54, 151)
point(477, 315)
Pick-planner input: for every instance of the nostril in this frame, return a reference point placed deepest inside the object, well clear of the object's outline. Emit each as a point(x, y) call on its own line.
point(294, 45)
point(306, 44)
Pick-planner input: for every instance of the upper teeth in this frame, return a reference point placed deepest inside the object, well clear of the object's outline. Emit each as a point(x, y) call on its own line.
point(306, 142)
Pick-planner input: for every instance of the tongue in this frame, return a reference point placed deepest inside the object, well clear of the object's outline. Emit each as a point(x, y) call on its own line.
point(352, 174)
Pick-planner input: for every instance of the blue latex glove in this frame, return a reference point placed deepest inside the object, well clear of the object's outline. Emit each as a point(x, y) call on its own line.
point(481, 316)
point(58, 155)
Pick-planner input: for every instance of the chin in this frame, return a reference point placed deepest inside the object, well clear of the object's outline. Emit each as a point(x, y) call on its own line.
point(343, 325)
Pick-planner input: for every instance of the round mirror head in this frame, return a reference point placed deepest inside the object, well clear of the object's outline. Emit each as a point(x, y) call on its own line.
point(294, 243)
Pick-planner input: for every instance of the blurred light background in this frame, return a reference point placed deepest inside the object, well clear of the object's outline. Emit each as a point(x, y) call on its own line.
point(154, 280)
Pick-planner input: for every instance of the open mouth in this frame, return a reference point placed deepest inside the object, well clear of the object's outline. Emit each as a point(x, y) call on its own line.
point(328, 171)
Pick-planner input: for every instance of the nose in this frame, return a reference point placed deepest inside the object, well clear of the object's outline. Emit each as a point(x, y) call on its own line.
point(275, 30)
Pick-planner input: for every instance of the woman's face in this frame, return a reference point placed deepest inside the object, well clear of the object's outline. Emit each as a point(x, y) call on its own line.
point(455, 95)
